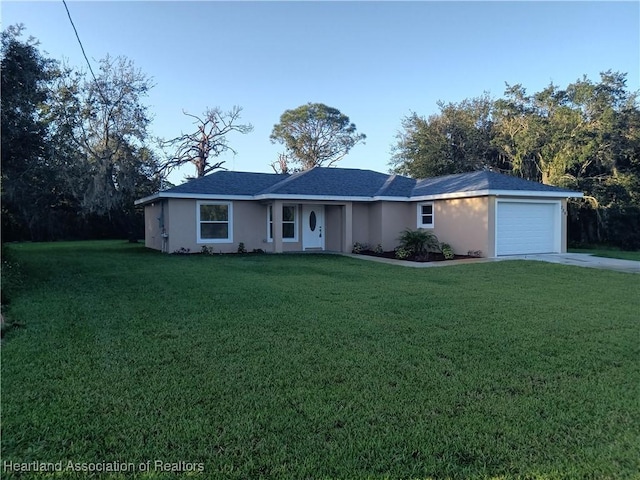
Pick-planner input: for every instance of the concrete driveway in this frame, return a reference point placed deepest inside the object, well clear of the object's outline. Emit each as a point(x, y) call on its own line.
point(575, 259)
point(581, 260)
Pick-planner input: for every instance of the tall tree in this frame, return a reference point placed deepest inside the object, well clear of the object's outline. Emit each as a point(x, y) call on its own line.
point(519, 133)
point(74, 155)
point(456, 140)
point(28, 180)
point(315, 135)
point(208, 142)
point(582, 136)
point(104, 123)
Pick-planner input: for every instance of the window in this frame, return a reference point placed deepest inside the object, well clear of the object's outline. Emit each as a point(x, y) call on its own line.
point(425, 215)
point(214, 222)
point(289, 223)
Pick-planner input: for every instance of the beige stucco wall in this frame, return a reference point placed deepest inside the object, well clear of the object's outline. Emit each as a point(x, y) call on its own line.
point(152, 230)
point(333, 227)
point(360, 223)
point(470, 224)
point(396, 217)
point(466, 224)
point(491, 227)
point(463, 223)
point(375, 224)
point(381, 223)
point(249, 227)
point(181, 225)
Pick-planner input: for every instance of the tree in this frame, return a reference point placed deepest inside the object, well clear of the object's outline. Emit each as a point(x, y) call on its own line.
point(101, 125)
point(519, 132)
point(315, 135)
point(28, 180)
point(74, 154)
point(581, 137)
point(456, 140)
point(209, 140)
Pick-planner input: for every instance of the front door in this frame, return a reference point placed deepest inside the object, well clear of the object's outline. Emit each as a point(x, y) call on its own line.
point(313, 227)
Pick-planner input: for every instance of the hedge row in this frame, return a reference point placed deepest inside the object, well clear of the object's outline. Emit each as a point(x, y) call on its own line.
point(616, 226)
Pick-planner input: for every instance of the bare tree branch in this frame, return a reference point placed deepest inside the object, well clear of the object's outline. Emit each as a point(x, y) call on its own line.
point(207, 142)
point(282, 164)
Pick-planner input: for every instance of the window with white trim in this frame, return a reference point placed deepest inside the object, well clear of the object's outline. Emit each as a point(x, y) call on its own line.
point(425, 215)
point(215, 223)
point(289, 223)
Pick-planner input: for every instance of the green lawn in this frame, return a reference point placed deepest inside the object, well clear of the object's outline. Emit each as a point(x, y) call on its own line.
point(609, 253)
point(319, 366)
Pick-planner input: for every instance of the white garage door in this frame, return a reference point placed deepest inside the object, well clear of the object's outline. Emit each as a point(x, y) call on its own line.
point(526, 227)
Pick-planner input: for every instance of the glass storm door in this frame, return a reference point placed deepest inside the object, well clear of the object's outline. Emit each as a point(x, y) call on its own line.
point(313, 227)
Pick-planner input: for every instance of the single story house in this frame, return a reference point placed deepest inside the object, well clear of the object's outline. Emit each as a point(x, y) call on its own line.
point(332, 208)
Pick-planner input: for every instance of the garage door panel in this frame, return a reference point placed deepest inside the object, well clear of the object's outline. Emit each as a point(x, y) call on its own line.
point(524, 227)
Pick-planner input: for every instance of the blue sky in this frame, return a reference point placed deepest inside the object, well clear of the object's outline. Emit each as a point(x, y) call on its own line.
point(374, 61)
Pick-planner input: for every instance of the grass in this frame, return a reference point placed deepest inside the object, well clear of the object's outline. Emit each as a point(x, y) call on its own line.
point(609, 253)
point(318, 366)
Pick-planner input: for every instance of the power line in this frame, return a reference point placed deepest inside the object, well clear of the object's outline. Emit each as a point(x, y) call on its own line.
point(81, 47)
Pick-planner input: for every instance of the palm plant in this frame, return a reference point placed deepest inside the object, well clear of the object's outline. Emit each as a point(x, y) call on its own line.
point(419, 242)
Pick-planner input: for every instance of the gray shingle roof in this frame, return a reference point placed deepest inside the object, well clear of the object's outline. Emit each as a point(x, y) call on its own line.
point(398, 186)
point(340, 182)
point(348, 182)
point(229, 183)
point(477, 181)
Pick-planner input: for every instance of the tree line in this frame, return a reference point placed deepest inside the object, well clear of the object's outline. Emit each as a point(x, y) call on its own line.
point(77, 149)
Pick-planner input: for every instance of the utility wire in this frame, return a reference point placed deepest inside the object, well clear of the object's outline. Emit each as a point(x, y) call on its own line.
point(83, 52)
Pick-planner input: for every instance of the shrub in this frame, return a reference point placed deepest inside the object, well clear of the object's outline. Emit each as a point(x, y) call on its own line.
point(402, 253)
point(447, 251)
point(359, 247)
point(182, 251)
point(379, 249)
point(474, 253)
point(241, 248)
point(207, 250)
point(615, 225)
point(419, 242)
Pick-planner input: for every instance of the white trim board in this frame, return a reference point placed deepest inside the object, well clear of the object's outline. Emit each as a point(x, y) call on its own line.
point(346, 198)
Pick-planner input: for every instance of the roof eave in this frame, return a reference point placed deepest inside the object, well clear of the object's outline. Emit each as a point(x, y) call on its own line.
point(534, 193)
point(191, 196)
point(294, 196)
point(145, 200)
point(362, 198)
point(498, 193)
